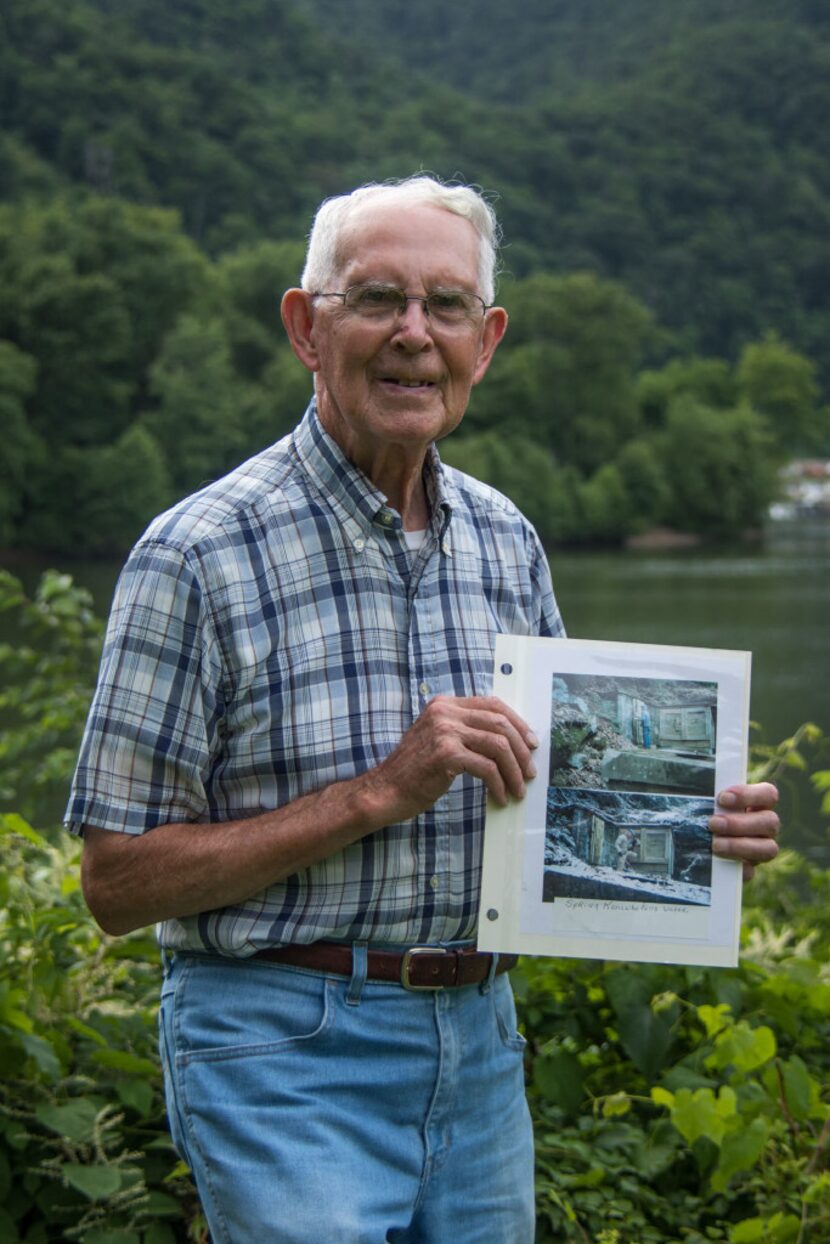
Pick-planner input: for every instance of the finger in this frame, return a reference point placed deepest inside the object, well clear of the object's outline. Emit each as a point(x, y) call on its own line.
point(488, 772)
point(486, 750)
point(500, 726)
point(491, 704)
point(749, 850)
point(745, 795)
point(763, 823)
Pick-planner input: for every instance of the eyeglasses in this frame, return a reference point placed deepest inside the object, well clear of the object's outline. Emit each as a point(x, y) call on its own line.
point(452, 308)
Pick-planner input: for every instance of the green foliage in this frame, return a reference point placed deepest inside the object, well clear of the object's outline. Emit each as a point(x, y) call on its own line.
point(19, 446)
point(709, 381)
point(197, 420)
point(661, 195)
point(717, 468)
point(83, 1149)
point(136, 375)
point(518, 466)
point(782, 385)
point(84, 1154)
point(595, 451)
point(47, 672)
point(566, 370)
point(674, 1104)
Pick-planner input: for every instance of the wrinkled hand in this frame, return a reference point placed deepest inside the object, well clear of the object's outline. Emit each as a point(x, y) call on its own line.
point(745, 825)
point(478, 735)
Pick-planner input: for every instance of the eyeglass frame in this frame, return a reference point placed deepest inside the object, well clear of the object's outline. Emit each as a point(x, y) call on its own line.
point(407, 298)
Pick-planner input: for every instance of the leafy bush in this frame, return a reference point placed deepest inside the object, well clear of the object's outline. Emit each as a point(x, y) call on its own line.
point(678, 1103)
point(84, 1153)
point(47, 672)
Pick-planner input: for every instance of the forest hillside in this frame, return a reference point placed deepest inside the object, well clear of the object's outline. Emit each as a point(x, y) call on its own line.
point(662, 174)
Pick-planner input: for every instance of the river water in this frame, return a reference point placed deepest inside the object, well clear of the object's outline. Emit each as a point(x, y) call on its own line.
point(772, 599)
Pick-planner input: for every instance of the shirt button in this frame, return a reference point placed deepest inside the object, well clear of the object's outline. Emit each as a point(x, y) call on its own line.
point(433, 881)
point(445, 547)
point(424, 690)
point(386, 518)
point(359, 544)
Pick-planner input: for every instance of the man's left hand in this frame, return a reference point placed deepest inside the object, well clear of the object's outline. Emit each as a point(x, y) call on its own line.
point(745, 825)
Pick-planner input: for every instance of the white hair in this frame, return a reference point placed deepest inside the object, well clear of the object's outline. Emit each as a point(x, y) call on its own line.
point(323, 258)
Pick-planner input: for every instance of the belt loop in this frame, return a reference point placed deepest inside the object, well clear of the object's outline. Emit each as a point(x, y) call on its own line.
point(487, 984)
point(360, 967)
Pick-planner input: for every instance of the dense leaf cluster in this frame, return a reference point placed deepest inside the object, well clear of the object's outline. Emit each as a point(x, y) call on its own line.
point(670, 1104)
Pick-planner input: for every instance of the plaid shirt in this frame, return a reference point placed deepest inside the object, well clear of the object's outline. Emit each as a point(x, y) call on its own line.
point(272, 635)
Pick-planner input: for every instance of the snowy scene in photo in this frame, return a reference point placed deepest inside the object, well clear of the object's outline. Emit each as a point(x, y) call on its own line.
point(627, 847)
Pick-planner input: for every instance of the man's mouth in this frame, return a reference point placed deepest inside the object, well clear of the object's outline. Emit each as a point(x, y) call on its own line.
point(408, 384)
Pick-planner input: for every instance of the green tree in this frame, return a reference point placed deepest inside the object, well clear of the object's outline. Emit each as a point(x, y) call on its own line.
point(253, 280)
point(709, 381)
point(101, 496)
point(718, 468)
point(125, 485)
point(566, 371)
point(77, 328)
point(782, 384)
point(18, 372)
point(644, 480)
point(277, 404)
point(197, 420)
point(605, 506)
point(93, 289)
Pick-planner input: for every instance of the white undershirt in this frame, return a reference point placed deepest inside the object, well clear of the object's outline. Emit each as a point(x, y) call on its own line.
point(414, 539)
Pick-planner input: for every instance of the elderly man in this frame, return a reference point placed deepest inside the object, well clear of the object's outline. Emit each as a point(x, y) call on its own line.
point(288, 756)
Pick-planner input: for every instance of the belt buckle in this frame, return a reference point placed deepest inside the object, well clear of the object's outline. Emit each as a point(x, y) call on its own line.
point(406, 963)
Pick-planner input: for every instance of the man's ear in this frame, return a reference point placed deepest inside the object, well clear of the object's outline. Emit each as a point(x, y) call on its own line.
point(495, 326)
point(298, 322)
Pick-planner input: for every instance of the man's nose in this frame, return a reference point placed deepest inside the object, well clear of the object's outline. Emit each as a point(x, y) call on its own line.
point(412, 327)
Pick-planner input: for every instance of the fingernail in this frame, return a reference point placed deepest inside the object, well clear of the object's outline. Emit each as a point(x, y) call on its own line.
point(717, 824)
point(532, 740)
point(727, 799)
point(531, 769)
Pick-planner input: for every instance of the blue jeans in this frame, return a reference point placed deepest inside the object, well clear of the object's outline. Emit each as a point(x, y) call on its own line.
point(318, 1109)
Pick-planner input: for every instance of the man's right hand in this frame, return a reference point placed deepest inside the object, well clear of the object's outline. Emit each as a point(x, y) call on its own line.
point(479, 735)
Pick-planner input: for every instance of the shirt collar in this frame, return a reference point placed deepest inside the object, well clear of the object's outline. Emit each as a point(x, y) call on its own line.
point(351, 493)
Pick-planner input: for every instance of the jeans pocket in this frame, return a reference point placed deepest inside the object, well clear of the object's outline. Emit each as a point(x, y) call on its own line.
point(243, 1010)
point(505, 1009)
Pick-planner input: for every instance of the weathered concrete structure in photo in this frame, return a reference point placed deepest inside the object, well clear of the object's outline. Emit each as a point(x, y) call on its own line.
point(641, 769)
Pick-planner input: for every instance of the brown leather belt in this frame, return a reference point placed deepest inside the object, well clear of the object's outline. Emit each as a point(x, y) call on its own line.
point(420, 967)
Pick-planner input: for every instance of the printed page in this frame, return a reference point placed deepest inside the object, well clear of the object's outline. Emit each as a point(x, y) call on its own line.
point(609, 855)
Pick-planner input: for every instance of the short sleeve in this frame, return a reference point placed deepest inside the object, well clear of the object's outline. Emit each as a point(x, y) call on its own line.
point(155, 721)
point(550, 619)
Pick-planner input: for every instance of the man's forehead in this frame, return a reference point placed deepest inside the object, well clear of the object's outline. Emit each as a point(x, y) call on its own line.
point(407, 231)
